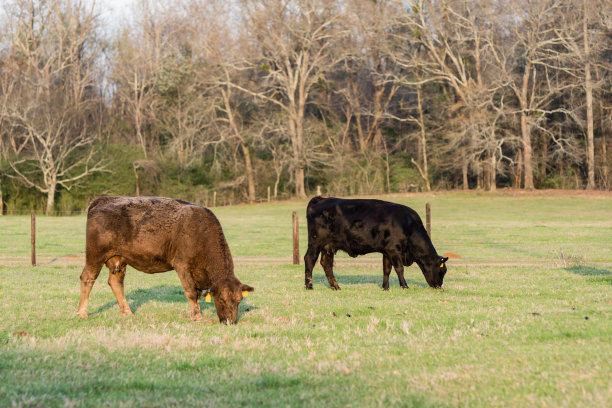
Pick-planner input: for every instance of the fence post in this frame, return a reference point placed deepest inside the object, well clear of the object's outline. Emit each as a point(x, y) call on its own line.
point(268, 194)
point(33, 238)
point(137, 180)
point(296, 239)
point(428, 219)
point(214, 199)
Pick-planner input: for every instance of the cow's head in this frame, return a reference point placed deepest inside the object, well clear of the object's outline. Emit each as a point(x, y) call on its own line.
point(228, 293)
point(434, 271)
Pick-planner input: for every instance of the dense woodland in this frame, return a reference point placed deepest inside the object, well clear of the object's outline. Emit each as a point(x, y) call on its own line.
point(195, 98)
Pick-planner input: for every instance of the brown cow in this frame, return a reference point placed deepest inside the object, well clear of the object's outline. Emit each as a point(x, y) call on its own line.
point(156, 234)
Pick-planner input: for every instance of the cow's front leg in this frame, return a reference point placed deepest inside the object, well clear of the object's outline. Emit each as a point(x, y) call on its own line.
point(399, 269)
point(115, 281)
point(192, 292)
point(193, 296)
point(310, 259)
point(88, 278)
point(327, 262)
point(386, 271)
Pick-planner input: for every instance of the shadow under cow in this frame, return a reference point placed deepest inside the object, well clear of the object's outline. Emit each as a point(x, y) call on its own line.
point(166, 294)
point(592, 272)
point(365, 279)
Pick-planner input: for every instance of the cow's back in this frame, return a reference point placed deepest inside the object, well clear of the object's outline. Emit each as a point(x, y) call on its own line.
point(360, 226)
point(144, 231)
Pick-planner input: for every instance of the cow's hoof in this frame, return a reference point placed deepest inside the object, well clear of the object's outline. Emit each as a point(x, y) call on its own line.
point(126, 313)
point(197, 318)
point(335, 287)
point(385, 289)
point(405, 287)
point(82, 315)
point(308, 287)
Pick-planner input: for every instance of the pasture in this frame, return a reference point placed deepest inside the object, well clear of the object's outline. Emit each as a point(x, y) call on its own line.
point(525, 317)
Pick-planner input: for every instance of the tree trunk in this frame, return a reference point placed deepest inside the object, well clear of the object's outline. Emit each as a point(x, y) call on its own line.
point(589, 103)
point(299, 182)
point(51, 196)
point(519, 170)
point(464, 171)
point(276, 186)
point(249, 172)
point(298, 144)
point(424, 176)
point(423, 144)
point(137, 115)
point(605, 169)
point(372, 139)
point(604, 155)
point(523, 97)
point(492, 172)
point(544, 156)
point(527, 152)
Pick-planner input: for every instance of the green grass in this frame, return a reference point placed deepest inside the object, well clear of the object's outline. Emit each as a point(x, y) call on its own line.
point(509, 329)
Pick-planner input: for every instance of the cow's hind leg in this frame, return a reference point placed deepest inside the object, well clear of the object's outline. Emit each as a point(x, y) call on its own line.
point(88, 278)
point(399, 269)
point(327, 262)
point(386, 271)
point(115, 281)
point(192, 292)
point(310, 259)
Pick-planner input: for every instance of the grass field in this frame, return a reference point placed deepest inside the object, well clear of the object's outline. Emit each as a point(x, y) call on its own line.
point(525, 317)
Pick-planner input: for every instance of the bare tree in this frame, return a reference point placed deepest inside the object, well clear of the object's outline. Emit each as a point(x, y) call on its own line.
point(527, 58)
point(455, 37)
point(371, 82)
point(582, 36)
point(222, 50)
point(52, 103)
point(294, 45)
point(133, 77)
point(182, 109)
point(148, 46)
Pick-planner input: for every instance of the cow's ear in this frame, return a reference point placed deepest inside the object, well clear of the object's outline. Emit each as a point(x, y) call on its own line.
point(209, 294)
point(443, 261)
point(246, 289)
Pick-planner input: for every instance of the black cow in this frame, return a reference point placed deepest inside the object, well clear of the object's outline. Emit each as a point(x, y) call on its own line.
point(363, 226)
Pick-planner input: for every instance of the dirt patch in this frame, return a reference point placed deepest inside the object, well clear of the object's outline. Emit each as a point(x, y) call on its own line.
point(451, 255)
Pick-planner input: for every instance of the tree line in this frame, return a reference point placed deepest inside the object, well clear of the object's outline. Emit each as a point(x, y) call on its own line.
point(192, 97)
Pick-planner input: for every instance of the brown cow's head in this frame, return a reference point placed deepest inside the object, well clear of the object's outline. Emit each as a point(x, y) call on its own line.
point(434, 271)
point(228, 293)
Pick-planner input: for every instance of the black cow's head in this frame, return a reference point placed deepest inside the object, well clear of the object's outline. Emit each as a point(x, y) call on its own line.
point(434, 271)
point(227, 294)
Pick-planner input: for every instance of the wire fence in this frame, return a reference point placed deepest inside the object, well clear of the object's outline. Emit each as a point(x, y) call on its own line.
point(42, 212)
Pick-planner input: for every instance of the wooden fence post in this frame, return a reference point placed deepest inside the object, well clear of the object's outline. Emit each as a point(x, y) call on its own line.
point(33, 238)
point(428, 219)
point(268, 194)
point(296, 239)
point(137, 180)
point(214, 199)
